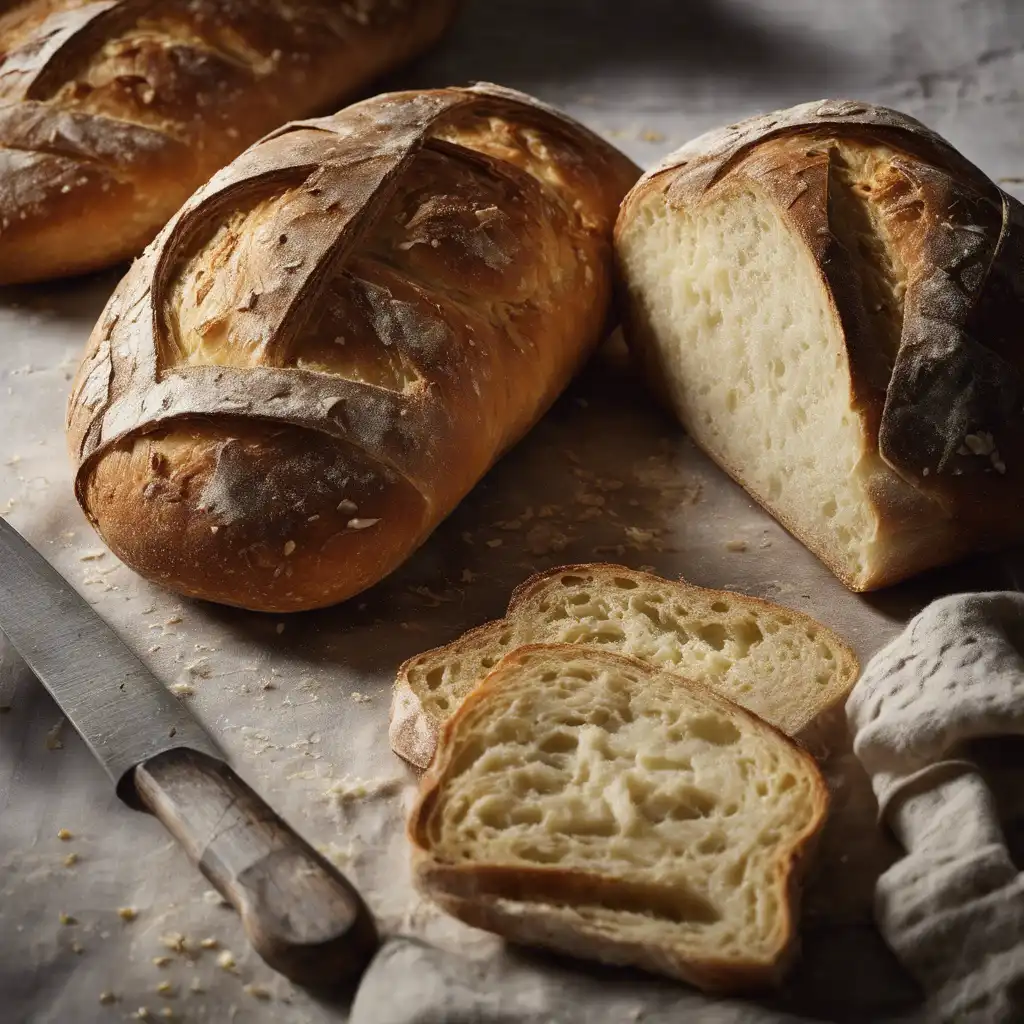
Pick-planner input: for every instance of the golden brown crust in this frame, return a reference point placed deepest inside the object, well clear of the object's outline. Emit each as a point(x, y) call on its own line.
point(957, 372)
point(523, 903)
point(399, 291)
point(414, 732)
point(113, 111)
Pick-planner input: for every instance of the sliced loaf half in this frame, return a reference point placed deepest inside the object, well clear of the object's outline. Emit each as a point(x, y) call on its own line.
point(776, 662)
point(588, 803)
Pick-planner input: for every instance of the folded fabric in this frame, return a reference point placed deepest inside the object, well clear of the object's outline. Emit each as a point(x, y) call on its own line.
point(953, 908)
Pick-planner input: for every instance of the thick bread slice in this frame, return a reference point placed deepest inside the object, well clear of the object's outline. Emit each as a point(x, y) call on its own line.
point(825, 296)
point(588, 803)
point(776, 662)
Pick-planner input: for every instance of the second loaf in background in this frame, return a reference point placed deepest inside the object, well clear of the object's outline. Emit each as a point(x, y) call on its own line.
point(336, 337)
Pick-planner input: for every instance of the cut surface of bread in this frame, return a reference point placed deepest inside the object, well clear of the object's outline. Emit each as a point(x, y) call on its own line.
point(589, 803)
point(776, 662)
point(730, 284)
point(820, 295)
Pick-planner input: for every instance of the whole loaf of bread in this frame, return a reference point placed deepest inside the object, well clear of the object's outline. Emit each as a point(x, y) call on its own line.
point(335, 338)
point(112, 112)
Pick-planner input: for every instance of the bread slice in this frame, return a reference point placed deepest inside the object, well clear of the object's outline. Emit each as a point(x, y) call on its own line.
point(591, 804)
point(778, 663)
point(820, 294)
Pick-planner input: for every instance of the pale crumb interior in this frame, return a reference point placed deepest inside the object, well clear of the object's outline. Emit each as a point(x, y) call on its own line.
point(754, 361)
point(577, 762)
point(782, 666)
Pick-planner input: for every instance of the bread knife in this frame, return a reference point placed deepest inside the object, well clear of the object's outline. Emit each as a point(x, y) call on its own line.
point(300, 915)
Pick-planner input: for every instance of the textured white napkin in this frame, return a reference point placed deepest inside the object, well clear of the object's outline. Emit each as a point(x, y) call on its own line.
point(953, 908)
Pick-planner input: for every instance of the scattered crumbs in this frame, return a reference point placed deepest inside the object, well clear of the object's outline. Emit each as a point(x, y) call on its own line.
point(209, 943)
point(360, 698)
point(279, 628)
point(67, 919)
point(350, 789)
point(267, 685)
point(167, 1013)
point(545, 538)
point(509, 525)
point(175, 942)
point(107, 998)
point(468, 576)
point(256, 991)
point(735, 545)
point(64, 835)
point(650, 135)
point(77, 948)
point(161, 961)
point(289, 547)
point(495, 543)
point(166, 989)
point(127, 913)
point(467, 537)
point(173, 620)
point(196, 986)
point(154, 649)
point(226, 961)
point(71, 860)
point(182, 689)
point(925, 471)
point(53, 740)
point(92, 556)
point(361, 524)
point(142, 1013)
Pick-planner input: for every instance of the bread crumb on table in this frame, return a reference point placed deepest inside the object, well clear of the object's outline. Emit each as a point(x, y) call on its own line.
point(64, 835)
point(107, 998)
point(161, 961)
point(226, 961)
point(71, 860)
point(67, 919)
point(166, 989)
point(127, 913)
point(53, 740)
point(735, 545)
point(209, 943)
point(256, 991)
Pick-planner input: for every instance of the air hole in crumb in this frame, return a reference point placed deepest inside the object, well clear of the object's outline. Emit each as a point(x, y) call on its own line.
point(572, 581)
point(623, 584)
point(434, 678)
point(719, 606)
point(713, 635)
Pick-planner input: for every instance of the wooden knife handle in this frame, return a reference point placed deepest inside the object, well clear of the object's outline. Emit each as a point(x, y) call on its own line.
point(302, 917)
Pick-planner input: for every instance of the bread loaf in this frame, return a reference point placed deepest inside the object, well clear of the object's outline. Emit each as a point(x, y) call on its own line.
point(773, 661)
point(337, 336)
point(829, 298)
point(587, 803)
point(112, 112)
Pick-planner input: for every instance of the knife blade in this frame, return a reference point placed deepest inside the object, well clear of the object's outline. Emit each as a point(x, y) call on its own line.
point(300, 914)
